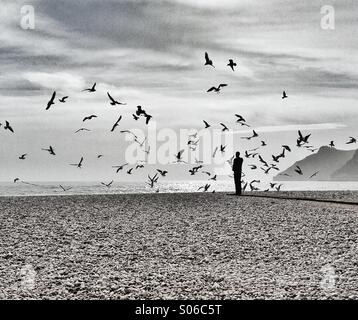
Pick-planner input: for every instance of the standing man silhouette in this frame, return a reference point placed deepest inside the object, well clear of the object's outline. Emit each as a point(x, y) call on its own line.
point(237, 168)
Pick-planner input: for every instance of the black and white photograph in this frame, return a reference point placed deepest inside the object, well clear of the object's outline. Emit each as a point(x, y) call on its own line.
point(186, 150)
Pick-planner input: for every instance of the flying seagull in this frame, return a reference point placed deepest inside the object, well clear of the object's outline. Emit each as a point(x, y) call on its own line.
point(163, 173)
point(50, 150)
point(206, 124)
point(63, 99)
point(89, 117)
point(64, 188)
point(217, 89)
point(119, 167)
point(232, 64)
point(313, 175)
point(78, 165)
point(284, 95)
point(208, 62)
point(113, 101)
point(23, 156)
point(8, 127)
point(116, 124)
point(108, 185)
point(93, 89)
point(351, 140)
point(82, 129)
point(225, 128)
point(51, 102)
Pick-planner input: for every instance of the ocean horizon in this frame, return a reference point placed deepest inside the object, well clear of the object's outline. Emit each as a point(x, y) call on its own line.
point(95, 187)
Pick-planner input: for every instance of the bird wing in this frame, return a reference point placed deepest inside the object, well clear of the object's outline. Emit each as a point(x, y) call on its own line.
point(110, 97)
point(211, 89)
point(222, 85)
point(206, 57)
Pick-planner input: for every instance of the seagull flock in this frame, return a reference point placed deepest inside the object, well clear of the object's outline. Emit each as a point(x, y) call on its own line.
point(251, 155)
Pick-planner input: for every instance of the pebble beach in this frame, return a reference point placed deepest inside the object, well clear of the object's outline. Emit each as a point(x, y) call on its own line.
point(177, 246)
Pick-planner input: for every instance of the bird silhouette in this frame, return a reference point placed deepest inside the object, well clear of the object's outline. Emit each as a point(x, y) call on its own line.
point(99, 156)
point(120, 167)
point(163, 173)
point(225, 128)
point(140, 111)
point(129, 171)
point(351, 140)
point(135, 117)
point(16, 180)
point(147, 118)
point(298, 170)
point(218, 88)
point(232, 64)
point(286, 148)
point(208, 62)
point(331, 144)
point(78, 165)
point(179, 155)
point(240, 118)
point(116, 124)
point(51, 101)
point(284, 95)
point(206, 124)
point(8, 127)
point(206, 187)
point(313, 175)
point(23, 157)
point(108, 185)
point(130, 132)
point(82, 129)
point(50, 150)
point(93, 89)
point(89, 117)
point(113, 101)
point(63, 99)
point(152, 180)
point(64, 188)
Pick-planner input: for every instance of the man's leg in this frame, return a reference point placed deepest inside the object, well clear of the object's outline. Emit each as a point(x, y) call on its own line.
point(237, 184)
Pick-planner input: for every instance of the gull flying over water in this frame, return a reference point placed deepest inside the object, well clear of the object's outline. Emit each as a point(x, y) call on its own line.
point(64, 188)
point(108, 185)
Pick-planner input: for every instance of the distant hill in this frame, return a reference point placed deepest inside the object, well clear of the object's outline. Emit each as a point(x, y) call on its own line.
point(331, 163)
point(349, 172)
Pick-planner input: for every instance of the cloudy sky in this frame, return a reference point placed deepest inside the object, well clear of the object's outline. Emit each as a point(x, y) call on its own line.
point(151, 53)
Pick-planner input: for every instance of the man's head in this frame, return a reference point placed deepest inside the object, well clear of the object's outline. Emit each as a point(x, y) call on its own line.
point(238, 154)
